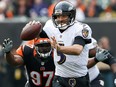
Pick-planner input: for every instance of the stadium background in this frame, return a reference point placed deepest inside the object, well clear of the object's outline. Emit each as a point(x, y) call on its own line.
point(11, 25)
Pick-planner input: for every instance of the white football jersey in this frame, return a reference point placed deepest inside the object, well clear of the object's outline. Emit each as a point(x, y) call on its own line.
point(74, 65)
point(93, 71)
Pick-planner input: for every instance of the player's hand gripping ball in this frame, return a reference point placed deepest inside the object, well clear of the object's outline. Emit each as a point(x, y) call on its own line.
point(31, 30)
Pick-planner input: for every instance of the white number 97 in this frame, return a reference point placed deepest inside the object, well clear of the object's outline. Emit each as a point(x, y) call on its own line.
point(36, 77)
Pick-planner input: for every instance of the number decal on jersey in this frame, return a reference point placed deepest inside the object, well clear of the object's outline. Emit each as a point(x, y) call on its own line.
point(36, 78)
point(62, 56)
point(50, 76)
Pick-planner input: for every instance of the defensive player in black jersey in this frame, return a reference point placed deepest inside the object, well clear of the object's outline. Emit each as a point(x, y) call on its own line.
point(96, 78)
point(36, 55)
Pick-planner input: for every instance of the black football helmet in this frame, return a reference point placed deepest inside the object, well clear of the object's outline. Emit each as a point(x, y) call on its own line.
point(64, 8)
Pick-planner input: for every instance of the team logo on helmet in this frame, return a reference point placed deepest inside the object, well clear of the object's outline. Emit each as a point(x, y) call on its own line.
point(85, 33)
point(58, 11)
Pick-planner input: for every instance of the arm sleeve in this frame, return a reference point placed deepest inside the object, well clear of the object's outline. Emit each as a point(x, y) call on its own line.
point(19, 51)
point(81, 41)
point(111, 60)
point(83, 35)
point(85, 32)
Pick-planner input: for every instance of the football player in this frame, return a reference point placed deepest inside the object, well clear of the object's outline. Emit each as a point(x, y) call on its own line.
point(95, 77)
point(36, 56)
point(69, 38)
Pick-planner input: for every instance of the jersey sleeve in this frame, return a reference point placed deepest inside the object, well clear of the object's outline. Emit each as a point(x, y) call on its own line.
point(85, 32)
point(19, 51)
point(79, 40)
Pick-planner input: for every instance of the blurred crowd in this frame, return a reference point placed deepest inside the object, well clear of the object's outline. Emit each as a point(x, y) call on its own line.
point(43, 8)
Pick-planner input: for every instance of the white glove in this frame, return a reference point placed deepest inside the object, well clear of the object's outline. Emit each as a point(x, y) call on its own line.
point(7, 45)
point(101, 54)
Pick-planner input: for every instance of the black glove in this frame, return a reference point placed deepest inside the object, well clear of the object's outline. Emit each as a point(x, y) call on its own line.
point(7, 45)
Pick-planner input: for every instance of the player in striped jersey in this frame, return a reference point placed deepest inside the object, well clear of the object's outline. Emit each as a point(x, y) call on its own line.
point(36, 56)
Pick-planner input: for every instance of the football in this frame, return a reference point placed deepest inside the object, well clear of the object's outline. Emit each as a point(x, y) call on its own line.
point(31, 30)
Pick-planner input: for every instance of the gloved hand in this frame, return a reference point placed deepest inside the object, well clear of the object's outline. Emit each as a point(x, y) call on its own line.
point(101, 55)
point(7, 45)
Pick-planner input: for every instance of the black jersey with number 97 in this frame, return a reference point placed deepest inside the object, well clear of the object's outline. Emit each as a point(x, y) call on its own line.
point(40, 73)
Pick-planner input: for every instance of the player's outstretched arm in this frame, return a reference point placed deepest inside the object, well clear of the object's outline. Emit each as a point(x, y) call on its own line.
point(12, 59)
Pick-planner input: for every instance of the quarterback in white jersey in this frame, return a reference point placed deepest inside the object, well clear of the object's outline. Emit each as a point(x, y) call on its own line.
point(72, 63)
point(69, 38)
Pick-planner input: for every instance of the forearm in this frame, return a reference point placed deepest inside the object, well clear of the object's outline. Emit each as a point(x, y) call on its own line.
point(70, 50)
point(14, 60)
point(91, 62)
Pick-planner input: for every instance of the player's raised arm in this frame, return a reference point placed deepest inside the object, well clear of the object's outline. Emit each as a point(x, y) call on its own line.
point(12, 59)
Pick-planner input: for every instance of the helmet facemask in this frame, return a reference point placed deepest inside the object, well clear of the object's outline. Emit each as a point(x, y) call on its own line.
point(43, 49)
